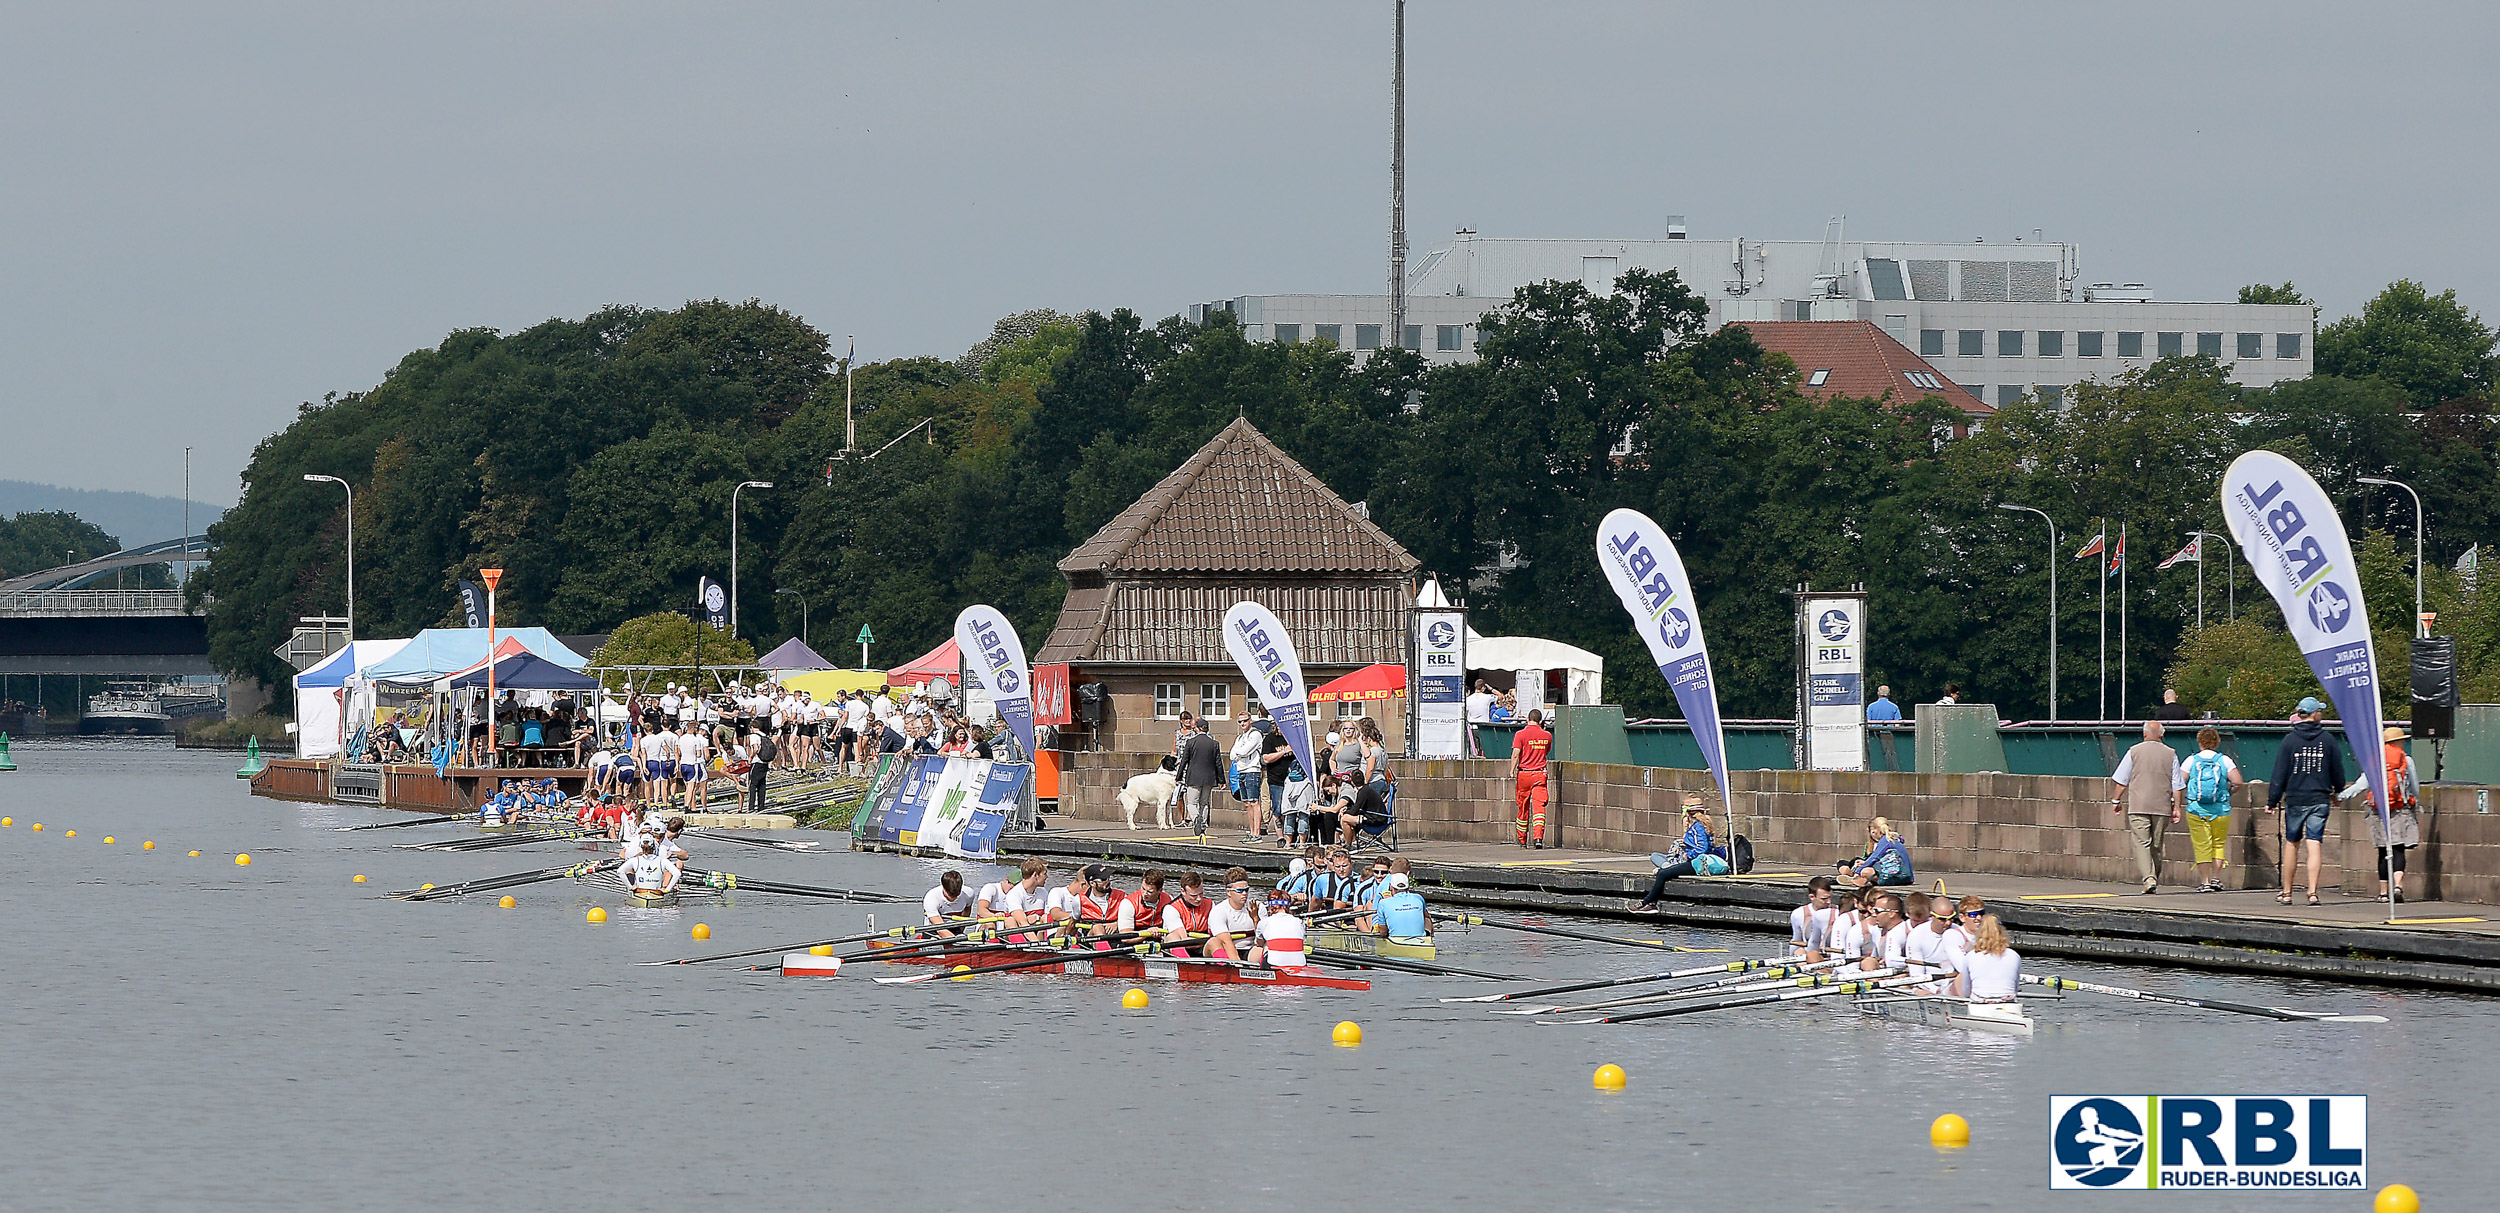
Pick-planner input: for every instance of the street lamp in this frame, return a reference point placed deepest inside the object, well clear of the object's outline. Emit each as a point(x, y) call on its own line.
point(733, 547)
point(2420, 629)
point(2044, 517)
point(351, 547)
point(802, 613)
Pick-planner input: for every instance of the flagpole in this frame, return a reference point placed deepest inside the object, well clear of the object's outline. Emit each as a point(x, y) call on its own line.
point(2200, 583)
point(2101, 542)
point(2122, 620)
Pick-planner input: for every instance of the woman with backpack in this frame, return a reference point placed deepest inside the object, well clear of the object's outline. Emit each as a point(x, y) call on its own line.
point(2401, 829)
point(2211, 778)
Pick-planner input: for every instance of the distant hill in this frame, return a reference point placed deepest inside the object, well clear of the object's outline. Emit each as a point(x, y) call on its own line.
point(133, 518)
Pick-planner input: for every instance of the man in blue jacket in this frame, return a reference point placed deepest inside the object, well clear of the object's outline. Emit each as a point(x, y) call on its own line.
point(2308, 771)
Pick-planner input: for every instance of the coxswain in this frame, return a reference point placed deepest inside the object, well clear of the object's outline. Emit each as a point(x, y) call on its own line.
point(1186, 917)
point(647, 873)
point(1100, 912)
point(1991, 970)
point(1884, 935)
point(1280, 937)
point(1401, 911)
point(1232, 917)
point(1810, 925)
point(1934, 947)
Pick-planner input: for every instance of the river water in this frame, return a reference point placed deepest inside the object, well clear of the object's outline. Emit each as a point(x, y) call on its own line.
point(184, 1032)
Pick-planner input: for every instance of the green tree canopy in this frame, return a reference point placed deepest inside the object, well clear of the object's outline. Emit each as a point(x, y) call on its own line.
point(2430, 347)
point(671, 640)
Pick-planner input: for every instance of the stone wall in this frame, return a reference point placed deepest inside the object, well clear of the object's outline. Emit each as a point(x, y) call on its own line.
point(2016, 825)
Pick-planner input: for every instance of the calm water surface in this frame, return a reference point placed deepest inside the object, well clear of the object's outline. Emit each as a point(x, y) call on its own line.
point(187, 1033)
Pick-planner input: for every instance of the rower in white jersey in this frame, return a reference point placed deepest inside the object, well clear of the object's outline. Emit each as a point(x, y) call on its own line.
point(1934, 947)
point(1991, 970)
point(646, 872)
point(1883, 936)
point(1810, 925)
point(950, 899)
point(1067, 900)
point(1844, 933)
point(1020, 901)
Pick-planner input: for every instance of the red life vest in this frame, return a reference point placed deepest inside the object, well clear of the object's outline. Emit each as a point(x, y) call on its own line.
point(1098, 913)
point(1147, 915)
point(1193, 922)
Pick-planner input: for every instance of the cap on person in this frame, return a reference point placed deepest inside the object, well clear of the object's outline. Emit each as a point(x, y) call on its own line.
point(1397, 881)
point(1332, 737)
point(2309, 705)
point(2394, 733)
point(1095, 871)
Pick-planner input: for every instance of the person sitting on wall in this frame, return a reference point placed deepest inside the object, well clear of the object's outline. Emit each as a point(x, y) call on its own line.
point(1886, 862)
point(1699, 853)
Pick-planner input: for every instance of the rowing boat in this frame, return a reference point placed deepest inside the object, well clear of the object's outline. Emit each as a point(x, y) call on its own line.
point(497, 827)
point(1123, 967)
point(1399, 947)
point(1945, 1011)
point(651, 901)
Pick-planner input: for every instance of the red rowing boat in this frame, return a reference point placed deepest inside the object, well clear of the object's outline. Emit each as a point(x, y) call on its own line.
point(1126, 967)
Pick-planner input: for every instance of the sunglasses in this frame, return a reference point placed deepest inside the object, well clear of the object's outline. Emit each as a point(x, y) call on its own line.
point(1974, 913)
point(1239, 888)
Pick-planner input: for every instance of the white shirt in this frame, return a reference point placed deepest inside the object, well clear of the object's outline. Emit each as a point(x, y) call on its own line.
point(669, 703)
point(646, 872)
point(1063, 900)
point(602, 758)
point(1480, 708)
point(1930, 951)
point(1010, 896)
point(1886, 946)
point(1845, 934)
point(1281, 934)
point(690, 749)
point(1224, 919)
point(1992, 977)
point(939, 905)
point(882, 708)
point(659, 747)
point(1809, 928)
point(855, 715)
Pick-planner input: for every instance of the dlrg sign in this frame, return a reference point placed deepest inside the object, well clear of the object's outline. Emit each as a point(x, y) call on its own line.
point(2292, 1142)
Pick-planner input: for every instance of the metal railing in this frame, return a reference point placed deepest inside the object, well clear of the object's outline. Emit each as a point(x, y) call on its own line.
point(75, 603)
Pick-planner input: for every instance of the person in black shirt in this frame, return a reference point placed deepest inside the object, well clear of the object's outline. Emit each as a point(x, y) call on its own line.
point(2171, 708)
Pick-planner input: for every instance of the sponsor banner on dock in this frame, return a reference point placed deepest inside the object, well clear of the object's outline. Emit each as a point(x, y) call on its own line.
point(1648, 575)
point(957, 805)
point(1441, 683)
point(1260, 646)
point(994, 658)
point(2202, 1143)
point(1832, 635)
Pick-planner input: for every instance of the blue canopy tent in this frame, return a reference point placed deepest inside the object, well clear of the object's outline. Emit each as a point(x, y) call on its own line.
point(437, 653)
point(524, 672)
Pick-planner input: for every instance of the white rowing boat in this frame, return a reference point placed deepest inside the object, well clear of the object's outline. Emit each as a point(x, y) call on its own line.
point(2004, 1018)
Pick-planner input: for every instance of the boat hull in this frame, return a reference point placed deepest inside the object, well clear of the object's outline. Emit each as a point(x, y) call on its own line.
point(1137, 968)
point(651, 901)
point(1992, 1018)
point(1375, 945)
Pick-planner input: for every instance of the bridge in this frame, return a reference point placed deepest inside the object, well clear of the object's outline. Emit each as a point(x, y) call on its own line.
point(57, 621)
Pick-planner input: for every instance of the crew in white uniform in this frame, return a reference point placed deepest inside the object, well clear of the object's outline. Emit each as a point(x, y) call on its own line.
point(948, 900)
point(1992, 971)
point(1844, 934)
point(1934, 947)
point(1280, 936)
point(1020, 901)
point(1884, 934)
point(1230, 916)
point(646, 872)
point(1810, 925)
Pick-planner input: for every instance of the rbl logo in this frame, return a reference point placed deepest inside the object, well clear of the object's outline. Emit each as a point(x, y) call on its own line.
point(2192, 1142)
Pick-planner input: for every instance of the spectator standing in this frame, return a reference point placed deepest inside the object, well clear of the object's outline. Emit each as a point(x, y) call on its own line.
point(2402, 827)
point(2148, 785)
point(2307, 771)
point(1279, 766)
point(2171, 708)
point(760, 767)
point(2206, 783)
point(1883, 710)
point(1201, 771)
point(1532, 783)
point(1952, 694)
point(1480, 703)
point(1249, 773)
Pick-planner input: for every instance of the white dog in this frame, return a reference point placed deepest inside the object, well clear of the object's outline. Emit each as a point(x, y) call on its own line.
point(1158, 787)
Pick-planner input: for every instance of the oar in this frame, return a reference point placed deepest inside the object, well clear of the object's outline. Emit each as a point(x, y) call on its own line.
point(1725, 985)
point(1652, 944)
point(900, 932)
point(1733, 966)
point(1364, 960)
point(731, 880)
point(1815, 989)
point(2202, 1004)
point(1056, 958)
point(777, 844)
point(393, 825)
point(485, 883)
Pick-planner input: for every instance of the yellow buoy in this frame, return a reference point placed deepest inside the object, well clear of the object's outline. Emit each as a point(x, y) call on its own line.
point(423, 888)
point(8, 821)
point(962, 973)
point(242, 861)
point(595, 915)
point(1134, 1000)
point(1348, 1033)
point(507, 902)
point(71, 834)
point(702, 932)
point(147, 846)
point(2397, 1198)
point(39, 827)
point(360, 878)
point(195, 854)
point(822, 949)
point(1609, 1077)
point(1950, 1132)
point(108, 840)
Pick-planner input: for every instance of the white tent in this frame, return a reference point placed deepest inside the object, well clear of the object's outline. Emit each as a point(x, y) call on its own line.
point(324, 695)
point(1529, 658)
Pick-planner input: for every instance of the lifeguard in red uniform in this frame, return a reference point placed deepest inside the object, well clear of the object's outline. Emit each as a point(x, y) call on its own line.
point(1531, 777)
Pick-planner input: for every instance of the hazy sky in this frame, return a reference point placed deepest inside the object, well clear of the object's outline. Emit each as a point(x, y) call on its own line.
point(211, 212)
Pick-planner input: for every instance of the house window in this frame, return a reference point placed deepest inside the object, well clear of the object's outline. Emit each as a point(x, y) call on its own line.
point(2009, 394)
point(1367, 336)
point(1290, 334)
point(2130, 345)
point(1167, 701)
point(1215, 700)
point(2169, 345)
point(2052, 345)
point(1978, 391)
point(1447, 336)
point(1414, 338)
point(1333, 334)
point(2252, 345)
point(1818, 378)
point(1973, 343)
point(2087, 345)
point(1931, 343)
point(2009, 343)
point(1923, 381)
point(2287, 345)
point(1348, 709)
point(2050, 394)
point(1898, 328)
point(2209, 345)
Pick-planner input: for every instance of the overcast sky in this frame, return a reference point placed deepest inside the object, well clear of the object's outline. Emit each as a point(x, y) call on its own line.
point(211, 212)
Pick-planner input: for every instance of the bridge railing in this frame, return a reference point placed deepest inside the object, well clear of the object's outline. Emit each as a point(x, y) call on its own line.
point(32, 604)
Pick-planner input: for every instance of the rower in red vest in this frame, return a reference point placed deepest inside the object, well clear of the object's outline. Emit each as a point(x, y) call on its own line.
point(1098, 909)
point(1186, 915)
point(1144, 911)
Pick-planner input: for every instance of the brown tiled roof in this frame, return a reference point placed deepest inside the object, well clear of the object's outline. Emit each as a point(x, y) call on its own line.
point(1863, 361)
point(1344, 622)
point(1240, 506)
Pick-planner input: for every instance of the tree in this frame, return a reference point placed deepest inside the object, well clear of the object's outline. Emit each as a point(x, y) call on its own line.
point(45, 539)
point(2427, 346)
point(671, 640)
point(2286, 293)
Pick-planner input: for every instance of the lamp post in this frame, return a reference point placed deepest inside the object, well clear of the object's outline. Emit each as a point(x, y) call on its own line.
point(733, 547)
point(2420, 628)
point(351, 547)
point(802, 612)
point(2044, 517)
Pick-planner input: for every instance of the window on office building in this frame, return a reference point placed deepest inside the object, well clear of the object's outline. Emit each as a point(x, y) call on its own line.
point(2050, 394)
point(2009, 343)
point(2209, 345)
point(1447, 336)
point(1973, 343)
point(2287, 345)
point(2009, 394)
point(1979, 390)
point(2052, 345)
point(1931, 343)
point(1167, 701)
point(1414, 337)
point(1333, 334)
point(2252, 345)
point(1290, 334)
point(1215, 700)
point(2087, 345)
point(2169, 345)
point(1367, 336)
point(2130, 345)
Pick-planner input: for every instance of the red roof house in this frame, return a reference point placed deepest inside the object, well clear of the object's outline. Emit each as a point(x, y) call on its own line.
point(1857, 359)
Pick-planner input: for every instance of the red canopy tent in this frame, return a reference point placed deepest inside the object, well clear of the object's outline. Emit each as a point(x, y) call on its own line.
point(940, 662)
point(1383, 681)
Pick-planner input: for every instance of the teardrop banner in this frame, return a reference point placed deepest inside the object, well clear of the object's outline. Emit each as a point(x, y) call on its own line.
point(1256, 638)
point(995, 658)
point(1648, 575)
point(2288, 529)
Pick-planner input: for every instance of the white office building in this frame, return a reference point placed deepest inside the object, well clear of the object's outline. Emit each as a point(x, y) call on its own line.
point(2003, 320)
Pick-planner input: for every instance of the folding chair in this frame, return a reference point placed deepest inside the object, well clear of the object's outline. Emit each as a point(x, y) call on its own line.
point(1383, 833)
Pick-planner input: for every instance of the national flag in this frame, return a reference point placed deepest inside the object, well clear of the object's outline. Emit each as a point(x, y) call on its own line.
point(2470, 566)
point(2117, 556)
point(2093, 548)
point(2191, 552)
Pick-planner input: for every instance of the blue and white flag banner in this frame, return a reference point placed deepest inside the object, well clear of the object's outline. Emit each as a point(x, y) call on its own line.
point(995, 658)
point(1648, 575)
point(2287, 527)
point(1256, 638)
